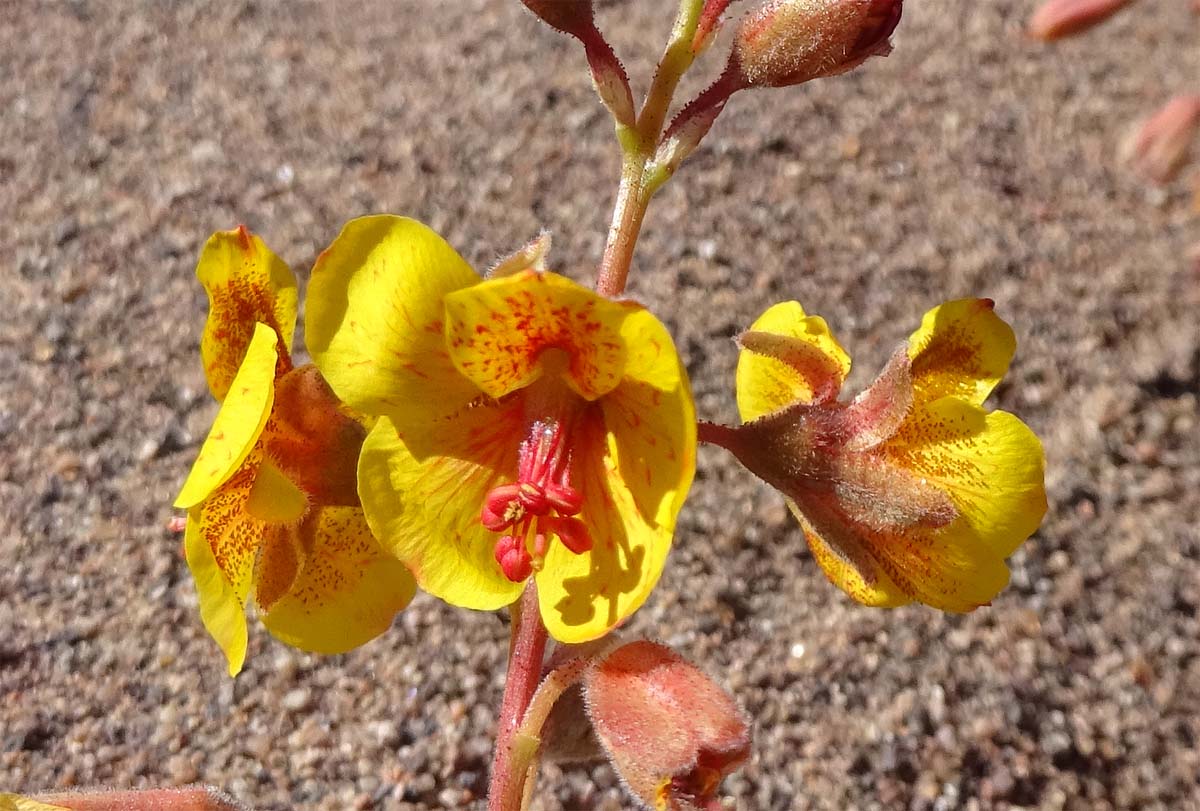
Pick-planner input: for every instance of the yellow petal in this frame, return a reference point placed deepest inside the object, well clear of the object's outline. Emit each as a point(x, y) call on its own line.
point(348, 589)
point(239, 423)
point(423, 500)
point(947, 568)
point(220, 543)
point(653, 420)
point(246, 285)
point(496, 332)
point(990, 464)
point(962, 348)
point(849, 565)
point(375, 320)
point(274, 498)
point(585, 596)
point(766, 384)
point(15, 802)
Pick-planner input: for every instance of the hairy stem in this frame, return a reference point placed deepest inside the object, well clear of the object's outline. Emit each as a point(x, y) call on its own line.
point(527, 649)
point(638, 144)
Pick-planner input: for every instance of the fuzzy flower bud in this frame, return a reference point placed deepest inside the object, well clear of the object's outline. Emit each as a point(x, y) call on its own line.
point(1057, 19)
point(786, 42)
point(668, 729)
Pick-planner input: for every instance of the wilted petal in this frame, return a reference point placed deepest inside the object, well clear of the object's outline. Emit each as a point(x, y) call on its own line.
point(962, 348)
point(496, 332)
point(239, 423)
point(247, 285)
point(375, 320)
point(805, 362)
point(423, 500)
point(347, 590)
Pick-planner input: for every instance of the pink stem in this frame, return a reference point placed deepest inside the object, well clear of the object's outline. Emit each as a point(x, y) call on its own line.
point(526, 654)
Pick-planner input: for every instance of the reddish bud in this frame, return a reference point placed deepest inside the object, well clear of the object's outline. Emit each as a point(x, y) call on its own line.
point(786, 42)
point(670, 731)
point(1159, 147)
point(514, 559)
point(574, 17)
point(1057, 19)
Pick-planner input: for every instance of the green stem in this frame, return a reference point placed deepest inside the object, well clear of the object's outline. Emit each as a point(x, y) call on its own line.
point(527, 649)
point(637, 145)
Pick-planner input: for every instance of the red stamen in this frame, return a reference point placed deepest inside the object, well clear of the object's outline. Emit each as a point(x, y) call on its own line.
point(539, 504)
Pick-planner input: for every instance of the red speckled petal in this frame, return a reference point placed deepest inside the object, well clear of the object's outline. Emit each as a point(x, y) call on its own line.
point(247, 284)
point(496, 332)
point(347, 589)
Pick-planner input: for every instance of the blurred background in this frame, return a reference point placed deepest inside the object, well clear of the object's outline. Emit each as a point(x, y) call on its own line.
point(972, 162)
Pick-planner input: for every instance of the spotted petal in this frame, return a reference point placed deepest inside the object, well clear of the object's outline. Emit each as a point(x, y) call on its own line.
point(497, 332)
point(944, 567)
point(788, 357)
point(348, 588)
point(221, 542)
point(963, 349)
point(585, 596)
point(239, 423)
point(247, 285)
point(374, 321)
point(652, 419)
point(422, 498)
point(990, 464)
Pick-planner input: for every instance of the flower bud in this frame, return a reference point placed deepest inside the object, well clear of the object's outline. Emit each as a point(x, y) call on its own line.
point(786, 42)
point(1159, 147)
point(572, 17)
point(669, 730)
point(576, 18)
point(1057, 19)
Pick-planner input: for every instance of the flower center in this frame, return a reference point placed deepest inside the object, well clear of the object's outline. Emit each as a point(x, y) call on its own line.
point(541, 503)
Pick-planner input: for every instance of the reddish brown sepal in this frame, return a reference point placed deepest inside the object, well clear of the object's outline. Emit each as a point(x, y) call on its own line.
point(670, 731)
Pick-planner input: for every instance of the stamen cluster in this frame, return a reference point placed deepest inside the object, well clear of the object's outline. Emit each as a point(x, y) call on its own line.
point(539, 504)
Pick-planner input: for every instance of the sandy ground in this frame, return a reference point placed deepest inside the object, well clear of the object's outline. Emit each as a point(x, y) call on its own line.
point(971, 162)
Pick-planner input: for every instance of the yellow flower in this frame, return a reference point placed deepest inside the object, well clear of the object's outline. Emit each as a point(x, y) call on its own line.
point(271, 499)
point(912, 492)
point(528, 427)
